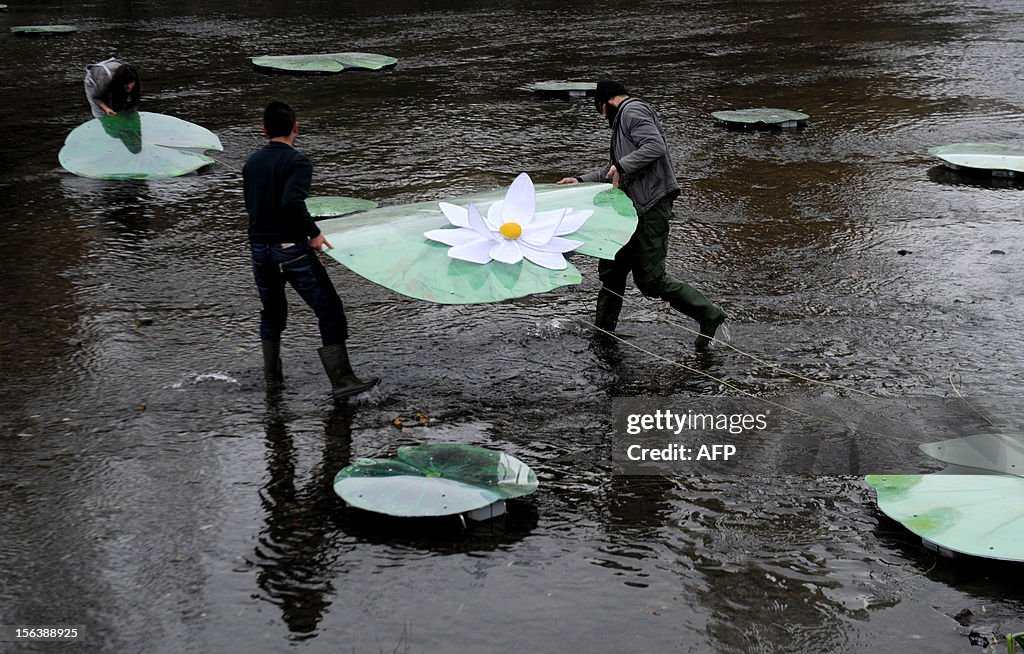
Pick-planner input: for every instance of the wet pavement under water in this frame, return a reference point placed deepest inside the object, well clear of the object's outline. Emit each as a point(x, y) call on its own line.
point(151, 493)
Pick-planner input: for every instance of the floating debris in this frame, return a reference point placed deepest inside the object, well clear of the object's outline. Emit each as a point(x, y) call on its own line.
point(42, 30)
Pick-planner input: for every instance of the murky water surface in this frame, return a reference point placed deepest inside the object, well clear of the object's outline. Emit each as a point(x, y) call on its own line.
point(151, 494)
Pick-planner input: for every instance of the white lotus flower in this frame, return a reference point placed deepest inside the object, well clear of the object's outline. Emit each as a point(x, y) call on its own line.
point(511, 230)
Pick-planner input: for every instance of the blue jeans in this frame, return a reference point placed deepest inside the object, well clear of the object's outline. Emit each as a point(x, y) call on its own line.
point(272, 266)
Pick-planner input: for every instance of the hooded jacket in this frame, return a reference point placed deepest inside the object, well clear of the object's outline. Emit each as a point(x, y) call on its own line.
point(639, 151)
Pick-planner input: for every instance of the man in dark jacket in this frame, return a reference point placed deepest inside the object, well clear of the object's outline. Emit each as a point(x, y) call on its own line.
point(284, 240)
point(641, 166)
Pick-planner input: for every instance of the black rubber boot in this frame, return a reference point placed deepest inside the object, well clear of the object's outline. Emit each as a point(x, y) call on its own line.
point(344, 382)
point(272, 370)
point(608, 307)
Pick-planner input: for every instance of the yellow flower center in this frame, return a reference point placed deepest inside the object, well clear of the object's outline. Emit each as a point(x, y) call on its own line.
point(511, 230)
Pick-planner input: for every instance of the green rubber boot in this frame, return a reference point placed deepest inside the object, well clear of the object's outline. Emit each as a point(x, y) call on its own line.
point(608, 308)
point(344, 382)
point(691, 302)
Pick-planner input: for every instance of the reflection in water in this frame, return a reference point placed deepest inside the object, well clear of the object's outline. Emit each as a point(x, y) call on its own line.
point(125, 127)
point(296, 550)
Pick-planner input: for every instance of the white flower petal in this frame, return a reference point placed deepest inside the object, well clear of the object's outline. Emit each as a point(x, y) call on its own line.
point(477, 224)
point(507, 251)
point(573, 221)
point(493, 217)
point(459, 236)
point(475, 252)
point(549, 260)
point(520, 201)
point(557, 244)
point(535, 234)
point(455, 214)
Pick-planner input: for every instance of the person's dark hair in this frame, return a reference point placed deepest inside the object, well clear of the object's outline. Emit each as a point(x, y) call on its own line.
point(120, 99)
point(278, 119)
point(606, 90)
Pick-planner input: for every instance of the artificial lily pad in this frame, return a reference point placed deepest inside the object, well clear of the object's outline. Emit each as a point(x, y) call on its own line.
point(28, 30)
point(137, 145)
point(329, 206)
point(764, 117)
point(324, 63)
point(981, 156)
point(434, 480)
point(564, 90)
point(387, 246)
point(1002, 453)
point(981, 515)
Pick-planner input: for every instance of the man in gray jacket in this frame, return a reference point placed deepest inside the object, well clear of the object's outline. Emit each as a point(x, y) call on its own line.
point(641, 166)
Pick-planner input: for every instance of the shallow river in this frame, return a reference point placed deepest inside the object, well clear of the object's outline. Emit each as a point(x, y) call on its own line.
point(151, 494)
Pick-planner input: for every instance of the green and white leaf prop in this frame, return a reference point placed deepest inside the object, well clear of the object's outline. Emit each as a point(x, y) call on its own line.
point(330, 206)
point(434, 480)
point(762, 116)
point(137, 145)
point(1001, 453)
point(981, 156)
point(387, 245)
point(40, 30)
point(334, 62)
point(980, 515)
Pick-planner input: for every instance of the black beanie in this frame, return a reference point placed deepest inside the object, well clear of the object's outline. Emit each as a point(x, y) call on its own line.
point(606, 90)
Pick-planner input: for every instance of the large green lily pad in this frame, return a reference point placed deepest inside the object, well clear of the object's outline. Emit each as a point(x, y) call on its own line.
point(330, 206)
point(387, 246)
point(981, 156)
point(434, 480)
point(763, 116)
point(980, 515)
point(324, 63)
point(137, 145)
point(30, 30)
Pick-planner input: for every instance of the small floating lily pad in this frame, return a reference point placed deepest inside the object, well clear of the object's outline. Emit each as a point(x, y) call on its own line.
point(980, 515)
point(761, 117)
point(324, 63)
point(997, 157)
point(332, 206)
point(137, 145)
point(29, 30)
point(434, 480)
point(564, 90)
point(1002, 453)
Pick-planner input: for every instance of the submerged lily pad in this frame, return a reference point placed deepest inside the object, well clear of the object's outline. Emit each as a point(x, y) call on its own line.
point(324, 63)
point(761, 116)
point(29, 30)
point(328, 206)
point(980, 515)
point(387, 246)
point(981, 156)
point(137, 145)
point(434, 480)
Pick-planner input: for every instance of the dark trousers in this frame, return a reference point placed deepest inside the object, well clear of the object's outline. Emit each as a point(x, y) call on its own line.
point(644, 256)
point(272, 266)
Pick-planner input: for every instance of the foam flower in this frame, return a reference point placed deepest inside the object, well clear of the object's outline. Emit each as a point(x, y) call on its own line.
point(512, 230)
